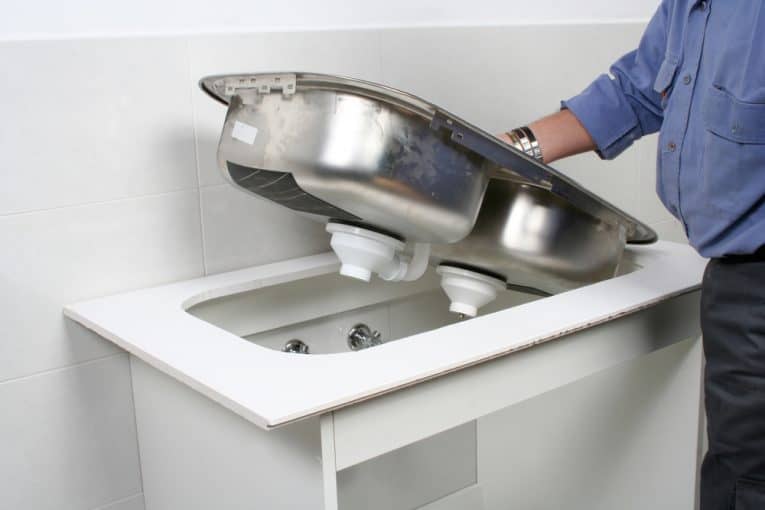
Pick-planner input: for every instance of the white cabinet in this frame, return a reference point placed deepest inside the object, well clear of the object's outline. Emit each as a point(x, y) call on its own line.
point(602, 419)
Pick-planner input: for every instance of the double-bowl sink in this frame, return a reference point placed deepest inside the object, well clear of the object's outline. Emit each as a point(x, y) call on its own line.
point(402, 184)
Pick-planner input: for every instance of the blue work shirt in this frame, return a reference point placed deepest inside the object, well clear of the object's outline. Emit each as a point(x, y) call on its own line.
point(698, 76)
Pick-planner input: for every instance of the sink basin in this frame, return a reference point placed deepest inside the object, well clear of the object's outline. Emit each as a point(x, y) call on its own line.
point(339, 148)
point(533, 239)
point(326, 151)
point(398, 179)
point(321, 311)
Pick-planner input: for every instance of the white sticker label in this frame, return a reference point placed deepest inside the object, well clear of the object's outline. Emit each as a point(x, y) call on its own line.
point(244, 132)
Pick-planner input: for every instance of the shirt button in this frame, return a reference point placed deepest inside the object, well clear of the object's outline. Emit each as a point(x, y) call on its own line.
point(671, 146)
point(687, 79)
point(703, 5)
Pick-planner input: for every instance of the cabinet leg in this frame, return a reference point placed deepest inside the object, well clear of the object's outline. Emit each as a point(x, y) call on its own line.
point(328, 465)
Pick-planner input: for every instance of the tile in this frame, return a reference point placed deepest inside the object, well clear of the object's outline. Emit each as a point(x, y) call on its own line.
point(501, 77)
point(350, 53)
point(414, 475)
point(70, 439)
point(56, 257)
point(615, 180)
point(239, 15)
point(670, 230)
point(93, 120)
point(242, 230)
point(509, 76)
point(132, 503)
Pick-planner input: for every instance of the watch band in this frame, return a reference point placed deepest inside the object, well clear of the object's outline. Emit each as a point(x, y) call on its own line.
point(523, 139)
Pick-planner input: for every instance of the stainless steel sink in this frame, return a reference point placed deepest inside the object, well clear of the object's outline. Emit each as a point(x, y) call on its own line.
point(329, 151)
point(395, 171)
point(535, 240)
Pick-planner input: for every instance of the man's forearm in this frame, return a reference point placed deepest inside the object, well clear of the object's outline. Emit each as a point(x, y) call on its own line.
point(560, 135)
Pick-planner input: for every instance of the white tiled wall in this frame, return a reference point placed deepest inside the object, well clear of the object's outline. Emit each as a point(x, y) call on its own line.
point(354, 53)
point(142, 16)
point(241, 230)
point(98, 194)
point(108, 183)
point(69, 438)
point(90, 121)
point(132, 503)
point(500, 78)
point(57, 256)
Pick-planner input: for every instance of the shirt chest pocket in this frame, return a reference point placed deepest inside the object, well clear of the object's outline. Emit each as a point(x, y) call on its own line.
point(733, 164)
point(665, 79)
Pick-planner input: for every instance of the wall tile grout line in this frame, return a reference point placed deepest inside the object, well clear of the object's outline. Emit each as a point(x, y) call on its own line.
point(95, 202)
point(197, 159)
point(122, 500)
point(51, 371)
point(26, 37)
point(214, 185)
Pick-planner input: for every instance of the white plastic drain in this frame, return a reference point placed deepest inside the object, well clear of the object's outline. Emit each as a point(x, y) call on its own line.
point(468, 290)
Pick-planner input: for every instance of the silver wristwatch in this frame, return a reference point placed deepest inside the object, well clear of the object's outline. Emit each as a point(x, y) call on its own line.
point(524, 140)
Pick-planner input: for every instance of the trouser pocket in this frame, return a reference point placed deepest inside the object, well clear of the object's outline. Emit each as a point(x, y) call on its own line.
point(750, 495)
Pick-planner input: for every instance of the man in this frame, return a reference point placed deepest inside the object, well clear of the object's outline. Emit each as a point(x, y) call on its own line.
point(698, 77)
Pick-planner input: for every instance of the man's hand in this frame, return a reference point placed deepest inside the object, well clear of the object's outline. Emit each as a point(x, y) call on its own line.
point(559, 135)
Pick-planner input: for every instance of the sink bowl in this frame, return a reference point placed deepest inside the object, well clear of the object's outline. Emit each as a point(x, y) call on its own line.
point(402, 184)
point(341, 149)
point(532, 239)
point(333, 153)
point(321, 311)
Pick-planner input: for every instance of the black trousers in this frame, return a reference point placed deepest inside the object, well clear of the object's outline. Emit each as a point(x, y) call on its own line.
point(733, 325)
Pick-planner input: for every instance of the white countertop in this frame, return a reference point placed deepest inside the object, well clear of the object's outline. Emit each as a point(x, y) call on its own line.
point(271, 388)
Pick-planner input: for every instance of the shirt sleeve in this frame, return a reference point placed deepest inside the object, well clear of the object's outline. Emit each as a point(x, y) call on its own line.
point(619, 108)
